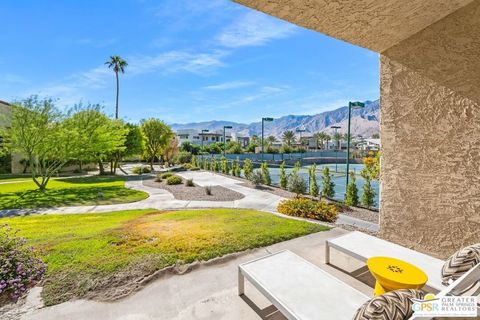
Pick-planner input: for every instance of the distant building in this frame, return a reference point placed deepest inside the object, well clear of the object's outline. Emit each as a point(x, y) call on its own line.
point(196, 136)
point(368, 144)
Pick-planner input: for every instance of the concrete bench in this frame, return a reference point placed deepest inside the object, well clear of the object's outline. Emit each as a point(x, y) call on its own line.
point(299, 289)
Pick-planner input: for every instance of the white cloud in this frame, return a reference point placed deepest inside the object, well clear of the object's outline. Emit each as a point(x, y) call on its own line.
point(254, 29)
point(229, 85)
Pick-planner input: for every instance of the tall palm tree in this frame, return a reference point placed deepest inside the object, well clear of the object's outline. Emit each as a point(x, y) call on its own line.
point(320, 138)
point(338, 137)
point(288, 138)
point(118, 65)
point(327, 138)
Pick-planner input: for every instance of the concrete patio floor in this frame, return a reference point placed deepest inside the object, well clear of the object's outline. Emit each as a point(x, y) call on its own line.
point(209, 292)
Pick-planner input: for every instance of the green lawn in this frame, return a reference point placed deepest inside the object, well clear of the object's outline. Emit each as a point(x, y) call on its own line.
point(68, 192)
point(89, 254)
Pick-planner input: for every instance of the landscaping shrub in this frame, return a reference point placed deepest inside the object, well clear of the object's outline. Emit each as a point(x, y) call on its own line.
point(351, 197)
point(283, 176)
point(208, 190)
point(207, 164)
point(166, 175)
point(308, 208)
point(225, 166)
point(194, 169)
point(236, 168)
point(266, 174)
point(328, 188)
point(296, 183)
point(189, 183)
point(368, 195)
point(312, 171)
point(184, 157)
point(174, 180)
point(20, 266)
point(214, 165)
point(193, 161)
point(158, 178)
point(141, 169)
point(256, 178)
point(247, 168)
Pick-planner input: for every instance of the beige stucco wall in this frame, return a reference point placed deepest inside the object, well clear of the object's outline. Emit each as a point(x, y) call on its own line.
point(430, 172)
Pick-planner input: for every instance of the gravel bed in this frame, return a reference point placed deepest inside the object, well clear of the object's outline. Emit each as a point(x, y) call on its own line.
point(196, 193)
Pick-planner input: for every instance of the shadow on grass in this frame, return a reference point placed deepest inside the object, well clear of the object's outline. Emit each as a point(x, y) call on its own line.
point(69, 196)
point(93, 179)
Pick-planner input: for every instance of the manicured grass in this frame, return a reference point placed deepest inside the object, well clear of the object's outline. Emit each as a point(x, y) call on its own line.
point(90, 254)
point(72, 191)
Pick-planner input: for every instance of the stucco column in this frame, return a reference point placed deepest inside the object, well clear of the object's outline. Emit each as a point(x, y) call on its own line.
point(430, 166)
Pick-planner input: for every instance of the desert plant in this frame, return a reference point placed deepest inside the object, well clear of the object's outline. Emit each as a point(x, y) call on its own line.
point(166, 175)
point(174, 180)
point(20, 266)
point(328, 186)
point(208, 190)
point(368, 194)
point(146, 169)
point(247, 168)
point(283, 176)
point(158, 178)
point(351, 196)
point(189, 183)
point(312, 172)
point(296, 183)
point(267, 180)
point(308, 208)
point(256, 178)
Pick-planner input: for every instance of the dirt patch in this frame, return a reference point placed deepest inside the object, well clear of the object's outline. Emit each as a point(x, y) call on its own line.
point(196, 193)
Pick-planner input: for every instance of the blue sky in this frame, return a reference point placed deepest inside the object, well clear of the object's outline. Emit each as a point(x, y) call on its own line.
point(188, 60)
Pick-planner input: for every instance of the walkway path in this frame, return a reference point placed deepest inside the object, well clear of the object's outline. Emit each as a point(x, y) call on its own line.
point(162, 199)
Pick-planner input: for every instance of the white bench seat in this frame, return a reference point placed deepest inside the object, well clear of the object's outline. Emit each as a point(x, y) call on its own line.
point(363, 246)
point(299, 289)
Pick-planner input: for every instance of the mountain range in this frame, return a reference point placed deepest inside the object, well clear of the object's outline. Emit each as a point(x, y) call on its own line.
point(365, 122)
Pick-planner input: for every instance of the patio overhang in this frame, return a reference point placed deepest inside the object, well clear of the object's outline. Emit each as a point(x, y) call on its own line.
point(430, 100)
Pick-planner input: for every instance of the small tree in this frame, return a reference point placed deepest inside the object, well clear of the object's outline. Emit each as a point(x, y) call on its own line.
point(236, 171)
point(225, 166)
point(351, 196)
point(298, 166)
point(267, 180)
point(296, 183)
point(38, 131)
point(207, 164)
point(368, 194)
point(247, 167)
point(328, 186)
point(313, 181)
point(157, 135)
point(193, 161)
point(214, 165)
point(283, 176)
point(256, 178)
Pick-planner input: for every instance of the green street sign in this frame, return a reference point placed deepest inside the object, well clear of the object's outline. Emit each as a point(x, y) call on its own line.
point(357, 104)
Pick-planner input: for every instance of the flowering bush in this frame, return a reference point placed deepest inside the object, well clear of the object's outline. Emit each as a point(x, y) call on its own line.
point(308, 208)
point(20, 266)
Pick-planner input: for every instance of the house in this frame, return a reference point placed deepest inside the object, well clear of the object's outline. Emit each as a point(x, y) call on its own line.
point(201, 138)
point(368, 144)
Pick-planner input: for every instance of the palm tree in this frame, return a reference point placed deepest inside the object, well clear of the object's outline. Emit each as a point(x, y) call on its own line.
point(338, 137)
point(320, 138)
point(271, 140)
point(288, 138)
point(327, 138)
point(118, 65)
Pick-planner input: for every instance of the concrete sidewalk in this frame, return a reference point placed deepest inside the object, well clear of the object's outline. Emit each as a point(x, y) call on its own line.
point(209, 292)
